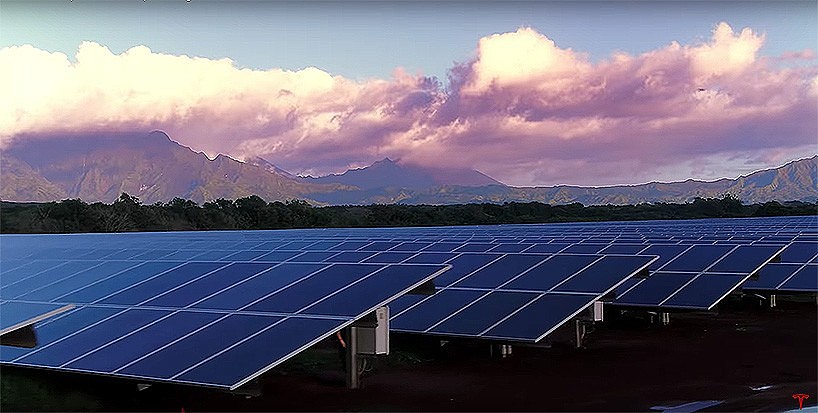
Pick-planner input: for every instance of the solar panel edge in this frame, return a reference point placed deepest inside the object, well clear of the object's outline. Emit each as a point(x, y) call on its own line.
point(36, 319)
point(737, 286)
point(599, 297)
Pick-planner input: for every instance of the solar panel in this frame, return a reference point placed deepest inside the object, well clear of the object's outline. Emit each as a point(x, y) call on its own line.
point(795, 273)
point(208, 323)
point(698, 277)
point(17, 315)
point(520, 297)
point(191, 277)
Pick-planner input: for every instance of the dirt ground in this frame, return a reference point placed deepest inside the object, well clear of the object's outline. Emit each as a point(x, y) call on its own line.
point(626, 365)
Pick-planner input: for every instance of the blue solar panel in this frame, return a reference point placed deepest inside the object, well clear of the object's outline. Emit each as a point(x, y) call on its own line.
point(805, 279)
point(483, 313)
point(654, 289)
point(745, 259)
point(463, 265)
point(134, 314)
point(605, 274)
point(799, 252)
point(507, 285)
point(550, 309)
point(715, 278)
point(551, 272)
point(704, 291)
point(697, 258)
point(21, 314)
point(499, 271)
point(433, 309)
point(117, 278)
point(771, 276)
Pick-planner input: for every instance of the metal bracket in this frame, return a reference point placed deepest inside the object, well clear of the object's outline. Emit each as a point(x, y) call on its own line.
point(21, 337)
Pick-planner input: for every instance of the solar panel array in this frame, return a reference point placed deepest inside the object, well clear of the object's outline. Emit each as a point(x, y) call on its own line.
point(153, 296)
point(203, 322)
point(797, 271)
point(519, 297)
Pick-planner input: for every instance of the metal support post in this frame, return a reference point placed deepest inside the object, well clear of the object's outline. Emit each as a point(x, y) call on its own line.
point(580, 332)
point(353, 378)
point(772, 300)
point(665, 318)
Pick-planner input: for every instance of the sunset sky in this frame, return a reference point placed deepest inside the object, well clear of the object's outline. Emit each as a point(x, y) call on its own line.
point(531, 93)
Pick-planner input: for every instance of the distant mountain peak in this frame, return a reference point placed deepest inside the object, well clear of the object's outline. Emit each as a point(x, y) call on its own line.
point(388, 173)
point(268, 166)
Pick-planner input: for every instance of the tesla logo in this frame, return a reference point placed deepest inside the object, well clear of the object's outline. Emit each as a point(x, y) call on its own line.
point(800, 397)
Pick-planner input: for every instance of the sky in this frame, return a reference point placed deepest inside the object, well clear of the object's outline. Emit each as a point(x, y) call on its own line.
point(531, 93)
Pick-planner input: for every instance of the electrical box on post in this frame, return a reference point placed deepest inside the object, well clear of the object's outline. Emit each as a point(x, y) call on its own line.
point(373, 332)
point(598, 313)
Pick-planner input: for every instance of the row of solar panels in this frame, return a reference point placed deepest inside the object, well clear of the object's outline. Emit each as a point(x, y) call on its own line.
point(508, 295)
point(214, 324)
point(38, 269)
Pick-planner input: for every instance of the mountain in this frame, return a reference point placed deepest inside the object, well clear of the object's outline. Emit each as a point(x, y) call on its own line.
point(21, 182)
point(99, 167)
point(267, 166)
point(152, 167)
point(387, 173)
point(795, 181)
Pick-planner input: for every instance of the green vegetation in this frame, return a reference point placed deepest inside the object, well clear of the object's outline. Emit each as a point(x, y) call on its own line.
point(128, 214)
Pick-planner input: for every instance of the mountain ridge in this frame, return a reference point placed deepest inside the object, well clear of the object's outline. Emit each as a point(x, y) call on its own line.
point(154, 168)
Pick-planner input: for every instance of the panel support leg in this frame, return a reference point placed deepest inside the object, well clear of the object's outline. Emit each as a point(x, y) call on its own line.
point(353, 378)
point(579, 330)
point(665, 318)
point(772, 301)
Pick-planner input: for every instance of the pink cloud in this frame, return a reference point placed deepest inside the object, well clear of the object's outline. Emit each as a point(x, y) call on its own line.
point(525, 110)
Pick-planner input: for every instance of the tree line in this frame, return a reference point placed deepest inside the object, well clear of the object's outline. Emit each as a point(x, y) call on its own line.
point(127, 213)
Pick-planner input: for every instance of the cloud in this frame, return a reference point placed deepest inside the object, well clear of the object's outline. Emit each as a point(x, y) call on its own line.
point(525, 110)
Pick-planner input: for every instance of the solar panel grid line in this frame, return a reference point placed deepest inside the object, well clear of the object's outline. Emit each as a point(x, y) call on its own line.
point(475, 270)
point(359, 280)
point(72, 334)
point(521, 308)
point(75, 274)
point(546, 332)
point(120, 338)
point(135, 376)
point(269, 294)
point(489, 290)
point(781, 284)
point(670, 297)
point(156, 276)
point(676, 257)
point(20, 262)
point(108, 278)
point(55, 264)
point(216, 311)
point(559, 283)
point(189, 334)
point(271, 365)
